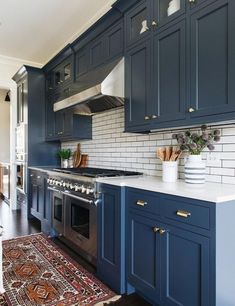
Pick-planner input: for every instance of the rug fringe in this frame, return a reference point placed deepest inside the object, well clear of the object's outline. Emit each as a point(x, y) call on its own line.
point(113, 299)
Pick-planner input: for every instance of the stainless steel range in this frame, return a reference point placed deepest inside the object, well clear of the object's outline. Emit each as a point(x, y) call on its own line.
point(74, 206)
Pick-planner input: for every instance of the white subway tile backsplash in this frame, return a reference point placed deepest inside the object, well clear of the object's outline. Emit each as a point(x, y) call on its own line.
point(112, 148)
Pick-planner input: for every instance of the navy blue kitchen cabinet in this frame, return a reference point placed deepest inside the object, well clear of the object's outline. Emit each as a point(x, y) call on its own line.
point(212, 48)
point(148, 16)
point(114, 41)
point(111, 234)
point(169, 240)
point(156, 80)
point(39, 199)
point(81, 61)
point(143, 256)
point(104, 48)
point(169, 74)
point(36, 194)
point(63, 74)
point(50, 118)
point(185, 267)
point(138, 86)
point(69, 126)
point(137, 22)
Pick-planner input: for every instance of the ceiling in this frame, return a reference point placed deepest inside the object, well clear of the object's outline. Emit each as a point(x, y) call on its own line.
point(35, 30)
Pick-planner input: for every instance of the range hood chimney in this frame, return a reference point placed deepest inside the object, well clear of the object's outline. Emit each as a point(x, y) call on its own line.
point(98, 91)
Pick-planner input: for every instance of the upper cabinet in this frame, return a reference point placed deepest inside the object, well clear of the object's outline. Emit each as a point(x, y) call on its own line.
point(187, 76)
point(63, 73)
point(148, 16)
point(137, 22)
point(21, 100)
point(101, 50)
point(212, 68)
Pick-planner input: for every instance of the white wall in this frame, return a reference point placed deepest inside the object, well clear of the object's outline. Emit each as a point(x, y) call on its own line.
point(112, 148)
point(4, 127)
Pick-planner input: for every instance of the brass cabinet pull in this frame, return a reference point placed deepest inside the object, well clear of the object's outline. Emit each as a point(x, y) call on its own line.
point(31, 175)
point(191, 1)
point(141, 203)
point(38, 177)
point(156, 229)
point(146, 118)
point(162, 231)
point(154, 116)
point(184, 214)
point(191, 110)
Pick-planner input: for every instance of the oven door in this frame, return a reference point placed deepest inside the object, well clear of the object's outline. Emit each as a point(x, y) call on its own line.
point(58, 212)
point(81, 225)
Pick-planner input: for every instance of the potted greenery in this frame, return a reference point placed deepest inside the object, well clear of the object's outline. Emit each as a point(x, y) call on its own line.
point(64, 155)
point(194, 143)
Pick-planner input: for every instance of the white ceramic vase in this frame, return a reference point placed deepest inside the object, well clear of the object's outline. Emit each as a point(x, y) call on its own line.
point(195, 170)
point(64, 163)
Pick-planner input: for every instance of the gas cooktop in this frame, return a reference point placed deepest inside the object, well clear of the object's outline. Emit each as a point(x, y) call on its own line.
point(96, 172)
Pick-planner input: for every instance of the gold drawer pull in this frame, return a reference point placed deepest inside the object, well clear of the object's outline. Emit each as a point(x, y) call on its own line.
point(184, 214)
point(141, 203)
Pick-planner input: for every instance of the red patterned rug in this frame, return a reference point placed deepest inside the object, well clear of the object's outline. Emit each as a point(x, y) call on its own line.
point(37, 272)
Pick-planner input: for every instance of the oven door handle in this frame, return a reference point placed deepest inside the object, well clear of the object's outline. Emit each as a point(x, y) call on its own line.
point(53, 189)
point(77, 197)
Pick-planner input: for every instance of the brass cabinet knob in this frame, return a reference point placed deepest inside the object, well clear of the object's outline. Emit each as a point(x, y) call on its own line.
point(156, 229)
point(146, 118)
point(154, 23)
point(191, 110)
point(162, 231)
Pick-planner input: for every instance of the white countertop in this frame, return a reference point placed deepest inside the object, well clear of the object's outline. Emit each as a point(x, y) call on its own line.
point(212, 192)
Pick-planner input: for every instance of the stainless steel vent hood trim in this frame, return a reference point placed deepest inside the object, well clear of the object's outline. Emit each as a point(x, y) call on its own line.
point(109, 94)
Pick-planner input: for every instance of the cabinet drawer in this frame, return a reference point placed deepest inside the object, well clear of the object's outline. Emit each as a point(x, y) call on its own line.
point(186, 212)
point(36, 177)
point(145, 202)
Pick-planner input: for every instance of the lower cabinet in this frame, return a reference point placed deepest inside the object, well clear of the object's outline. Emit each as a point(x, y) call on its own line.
point(111, 235)
point(169, 266)
point(39, 199)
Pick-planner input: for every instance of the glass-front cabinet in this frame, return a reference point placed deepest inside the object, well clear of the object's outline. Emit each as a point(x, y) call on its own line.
point(151, 15)
point(62, 74)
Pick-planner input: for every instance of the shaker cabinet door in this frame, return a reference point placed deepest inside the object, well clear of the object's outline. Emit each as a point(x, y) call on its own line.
point(137, 22)
point(138, 86)
point(185, 268)
point(169, 77)
point(143, 256)
point(213, 60)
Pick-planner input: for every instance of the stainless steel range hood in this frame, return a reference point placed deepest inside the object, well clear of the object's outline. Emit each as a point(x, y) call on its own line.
point(99, 90)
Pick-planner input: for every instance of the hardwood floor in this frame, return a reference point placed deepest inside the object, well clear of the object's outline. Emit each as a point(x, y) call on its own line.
point(16, 224)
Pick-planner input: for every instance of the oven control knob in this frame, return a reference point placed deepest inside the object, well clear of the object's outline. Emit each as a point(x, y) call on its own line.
point(83, 189)
point(48, 181)
point(77, 188)
point(67, 185)
point(64, 184)
point(71, 186)
point(53, 182)
point(89, 191)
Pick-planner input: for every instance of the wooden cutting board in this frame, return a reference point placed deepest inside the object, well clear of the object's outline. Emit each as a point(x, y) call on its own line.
point(77, 157)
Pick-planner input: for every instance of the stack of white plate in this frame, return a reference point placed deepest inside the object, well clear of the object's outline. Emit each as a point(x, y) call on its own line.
point(173, 7)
